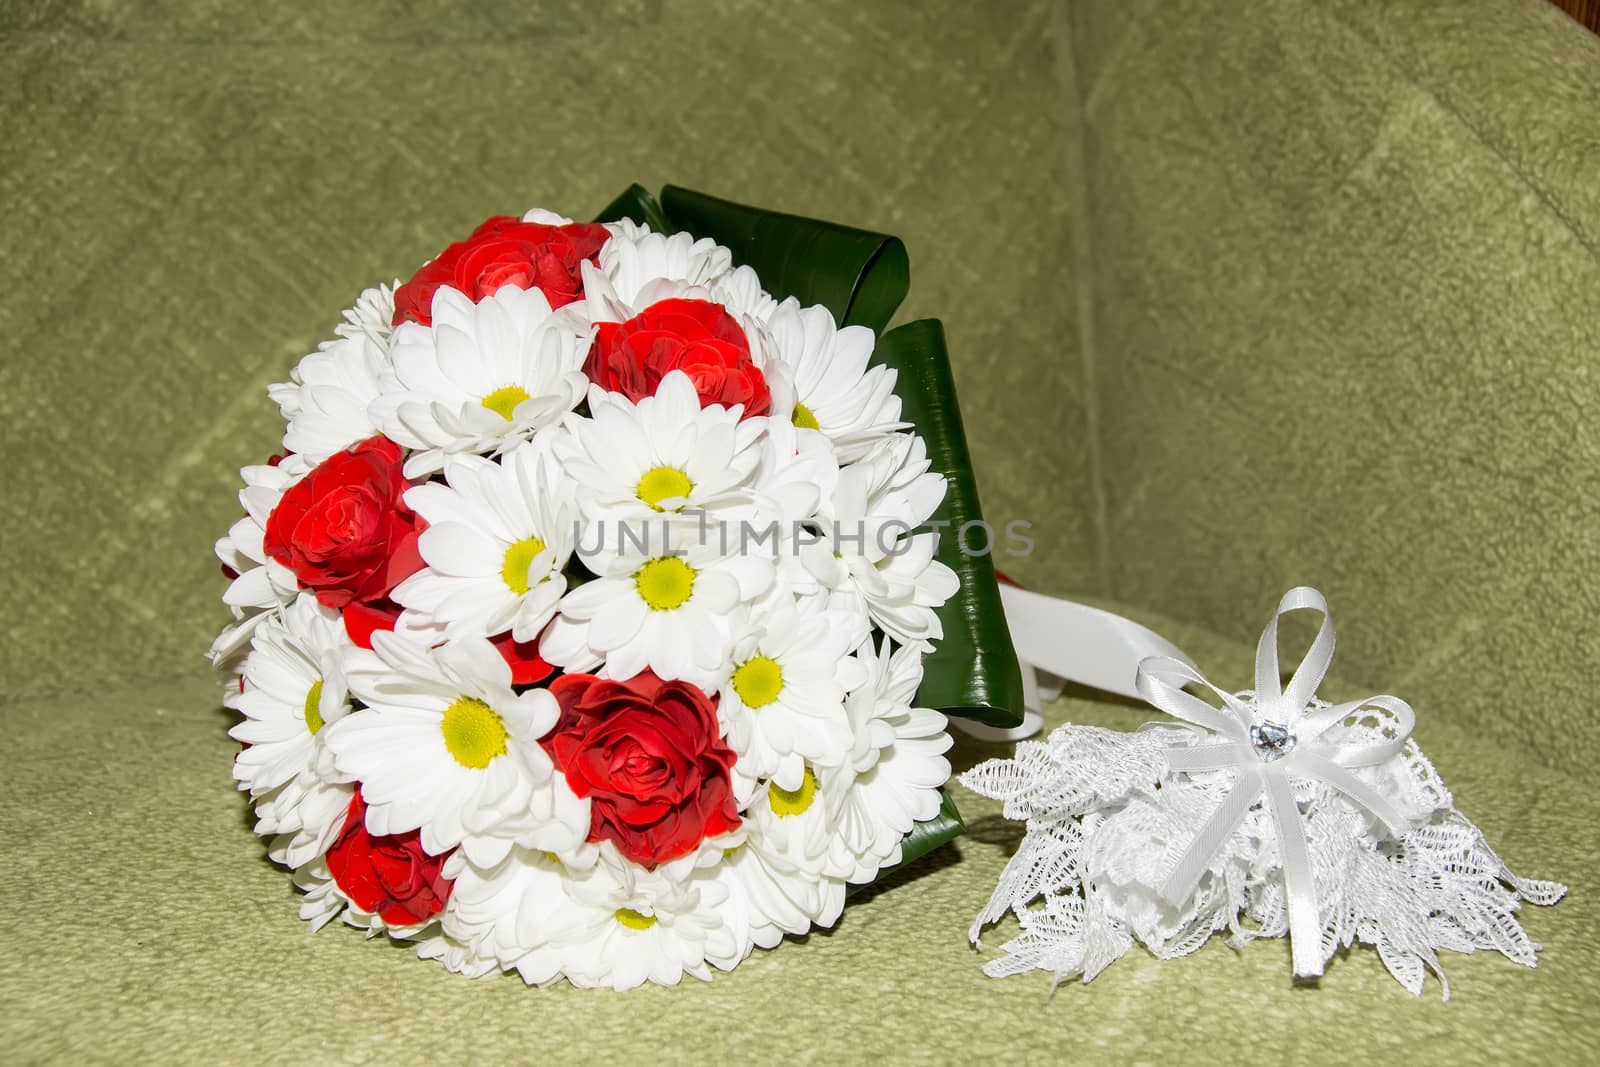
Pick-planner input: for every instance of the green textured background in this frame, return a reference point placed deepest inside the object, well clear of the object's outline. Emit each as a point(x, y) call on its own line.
point(1239, 295)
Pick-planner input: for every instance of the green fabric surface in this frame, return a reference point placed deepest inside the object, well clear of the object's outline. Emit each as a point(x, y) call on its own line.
point(1343, 272)
point(194, 191)
point(146, 926)
point(1238, 296)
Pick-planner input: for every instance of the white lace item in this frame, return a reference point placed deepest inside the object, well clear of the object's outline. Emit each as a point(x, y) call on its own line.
point(1275, 813)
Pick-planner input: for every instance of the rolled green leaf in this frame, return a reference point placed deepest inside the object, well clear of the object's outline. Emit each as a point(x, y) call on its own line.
point(929, 834)
point(973, 673)
point(859, 276)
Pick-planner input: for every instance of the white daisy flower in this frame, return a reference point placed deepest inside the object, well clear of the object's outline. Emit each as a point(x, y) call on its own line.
point(444, 745)
point(498, 537)
point(292, 685)
point(766, 902)
point(496, 913)
point(663, 453)
point(482, 378)
point(638, 267)
point(636, 261)
point(324, 901)
point(793, 829)
point(628, 926)
point(741, 290)
point(661, 601)
point(783, 702)
point(836, 392)
point(459, 957)
point(555, 823)
point(865, 553)
point(796, 474)
point(896, 765)
point(613, 925)
point(260, 584)
point(300, 822)
point(327, 397)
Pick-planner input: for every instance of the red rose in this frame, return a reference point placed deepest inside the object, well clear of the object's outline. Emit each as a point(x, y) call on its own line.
point(390, 875)
point(344, 529)
point(649, 756)
point(695, 336)
point(504, 251)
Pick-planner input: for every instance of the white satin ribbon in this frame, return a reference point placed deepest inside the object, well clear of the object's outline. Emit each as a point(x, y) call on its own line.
point(1265, 770)
point(1059, 641)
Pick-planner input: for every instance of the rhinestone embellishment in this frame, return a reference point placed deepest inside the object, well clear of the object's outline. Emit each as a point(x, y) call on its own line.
point(1272, 741)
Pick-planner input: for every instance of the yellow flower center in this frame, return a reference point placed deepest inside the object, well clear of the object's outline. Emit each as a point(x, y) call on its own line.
point(785, 803)
point(804, 419)
point(314, 706)
point(473, 733)
point(504, 400)
point(666, 583)
point(758, 681)
point(519, 557)
point(659, 483)
point(635, 920)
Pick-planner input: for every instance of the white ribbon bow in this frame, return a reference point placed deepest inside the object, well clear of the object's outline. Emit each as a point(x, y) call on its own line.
point(1270, 736)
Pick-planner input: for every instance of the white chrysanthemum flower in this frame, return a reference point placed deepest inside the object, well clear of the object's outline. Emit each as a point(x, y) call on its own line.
point(793, 829)
point(783, 703)
point(292, 684)
point(798, 472)
point(482, 378)
point(498, 913)
point(866, 554)
point(636, 259)
point(661, 601)
point(613, 925)
point(327, 397)
point(555, 823)
point(896, 764)
point(639, 267)
point(663, 453)
point(629, 926)
point(445, 745)
point(300, 821)
point(260, 584)
point(741, 289)
point(836, 392)
point(766, 901)
point(498, 537)
point(324, 901)
point(370, 319)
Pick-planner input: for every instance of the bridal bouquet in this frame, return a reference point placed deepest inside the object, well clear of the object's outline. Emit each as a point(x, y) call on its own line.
point(593, 621)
